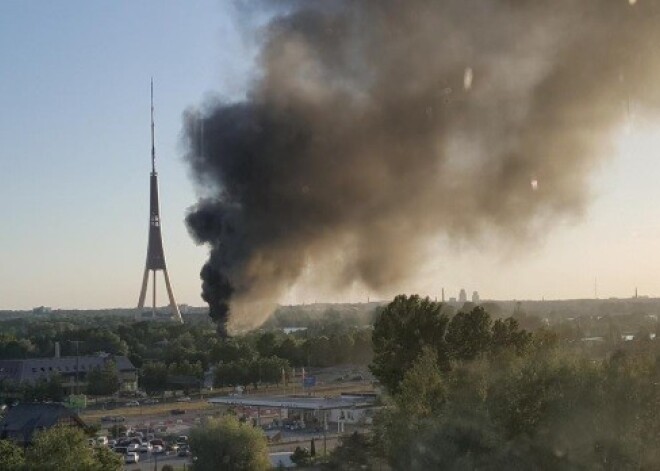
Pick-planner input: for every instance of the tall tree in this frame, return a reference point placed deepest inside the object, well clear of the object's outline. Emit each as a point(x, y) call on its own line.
point(103, 381)
point(11, 456)
point(402, 330)
point(469, 334)
point(62, 448)
point(226, 444)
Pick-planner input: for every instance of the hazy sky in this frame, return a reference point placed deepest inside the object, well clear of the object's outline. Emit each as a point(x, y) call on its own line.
point(74, 128)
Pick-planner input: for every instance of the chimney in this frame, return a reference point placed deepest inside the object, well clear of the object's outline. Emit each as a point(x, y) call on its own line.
point(57, 349)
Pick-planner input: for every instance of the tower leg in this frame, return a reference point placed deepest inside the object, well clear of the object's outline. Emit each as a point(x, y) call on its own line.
point(153, 304)
point(170, 294)
point(143, 291)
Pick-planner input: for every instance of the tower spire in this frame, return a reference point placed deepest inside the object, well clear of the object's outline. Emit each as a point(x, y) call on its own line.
point(155, 253)
point(153, 145)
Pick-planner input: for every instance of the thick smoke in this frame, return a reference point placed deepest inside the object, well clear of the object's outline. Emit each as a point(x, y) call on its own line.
point(375, 125)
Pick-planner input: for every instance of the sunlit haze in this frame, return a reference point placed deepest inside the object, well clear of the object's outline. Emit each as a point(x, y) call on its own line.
point(74, 127)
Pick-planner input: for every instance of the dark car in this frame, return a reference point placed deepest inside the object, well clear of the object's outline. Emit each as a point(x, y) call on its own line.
point(183, 451)
point(178, 411)
point(112, 418)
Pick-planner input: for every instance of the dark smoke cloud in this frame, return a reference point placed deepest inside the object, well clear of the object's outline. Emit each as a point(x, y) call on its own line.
point(374, 125)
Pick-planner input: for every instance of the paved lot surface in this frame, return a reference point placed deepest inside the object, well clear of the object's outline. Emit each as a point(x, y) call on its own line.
point(149, 463)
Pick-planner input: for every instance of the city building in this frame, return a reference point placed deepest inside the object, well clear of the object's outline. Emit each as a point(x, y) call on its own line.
point(72, 370)
point(475, 297)
point(462, 296)
point(21, 421)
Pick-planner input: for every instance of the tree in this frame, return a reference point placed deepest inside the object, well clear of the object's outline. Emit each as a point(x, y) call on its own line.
point(301, 457)
point(44, 389)
point(11, 456)
point(153, 377)
point(103, 381)
point(352, 454)
point(402, 330)
point(422, 392)
point(506, 335)
point(266, 344)
point(66, 448)
point(468, 334)
point(226, 444)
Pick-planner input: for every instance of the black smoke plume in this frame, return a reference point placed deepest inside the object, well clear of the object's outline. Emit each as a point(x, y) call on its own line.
point(375, 125)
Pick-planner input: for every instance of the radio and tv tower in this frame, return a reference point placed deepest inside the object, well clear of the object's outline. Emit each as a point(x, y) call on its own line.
point(155, 252)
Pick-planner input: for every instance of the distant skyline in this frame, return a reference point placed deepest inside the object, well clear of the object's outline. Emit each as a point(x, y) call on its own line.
point(74, 86)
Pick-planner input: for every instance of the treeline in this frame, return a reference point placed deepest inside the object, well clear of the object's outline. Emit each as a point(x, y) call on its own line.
point(319, 315)
point(470, 392)
point(171, 356)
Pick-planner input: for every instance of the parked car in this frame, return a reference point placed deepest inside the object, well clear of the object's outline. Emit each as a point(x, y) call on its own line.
point(183, 399)
point(102, 440)
point(133, 448)
point(178, 411)
point(146, 447)
point(182, 439)
point(131, 458)
point(150, 401)
point(158, 450)
point(183, 451)
point(112, 418)
point(132, 404)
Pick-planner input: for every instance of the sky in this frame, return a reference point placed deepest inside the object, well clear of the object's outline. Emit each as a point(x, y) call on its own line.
point(75, 162)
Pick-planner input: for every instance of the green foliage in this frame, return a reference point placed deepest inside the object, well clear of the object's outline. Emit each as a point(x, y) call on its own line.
point(301, 457)
point(43, 390)
point(11, 456)
point(410, 325)
point(545, 410)
point(468, 334)
point(402, 330)
point(66, 448)
point(226, 444)
point(153, 377)
point(103, 381)
point(256, 371)
point(507, 336)
point(422, 392)
point(354, 453)
point(107, 459)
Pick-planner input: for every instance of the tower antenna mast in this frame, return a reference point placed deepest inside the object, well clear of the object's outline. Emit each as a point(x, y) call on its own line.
point(153, 145)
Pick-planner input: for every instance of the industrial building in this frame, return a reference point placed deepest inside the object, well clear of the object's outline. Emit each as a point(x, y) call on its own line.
point(72, 370)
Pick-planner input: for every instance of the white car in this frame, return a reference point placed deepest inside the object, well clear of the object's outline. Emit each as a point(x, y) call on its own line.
point(183, 399)
point(131, 458)
point(133, 448)
point(132, 404)
point(158, 450)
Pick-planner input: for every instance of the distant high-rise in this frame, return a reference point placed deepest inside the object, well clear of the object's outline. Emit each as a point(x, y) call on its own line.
point(155, 253)
point(475, 297)
point(462, 296)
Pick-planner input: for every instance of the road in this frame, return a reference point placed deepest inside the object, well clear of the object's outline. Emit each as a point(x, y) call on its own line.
point(147, 464)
